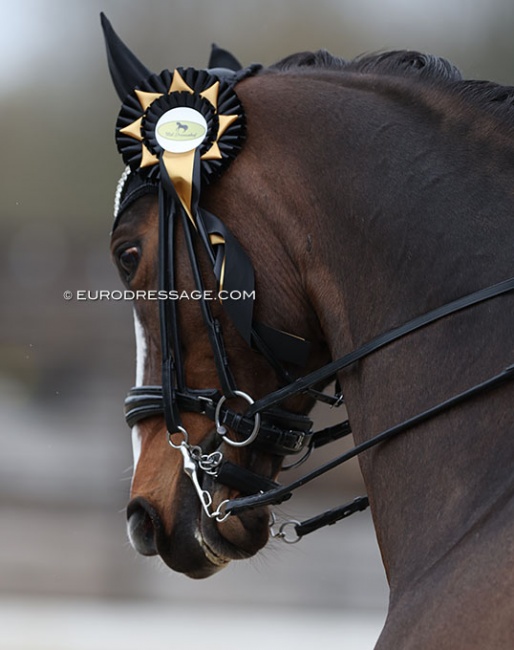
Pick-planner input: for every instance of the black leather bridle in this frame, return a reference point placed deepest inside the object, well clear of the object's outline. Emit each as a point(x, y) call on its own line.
point(273, 430)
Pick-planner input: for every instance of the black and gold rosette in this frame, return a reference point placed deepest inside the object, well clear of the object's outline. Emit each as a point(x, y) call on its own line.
point(182, 127)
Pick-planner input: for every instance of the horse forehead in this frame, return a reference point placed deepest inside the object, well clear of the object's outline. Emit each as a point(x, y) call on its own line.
point(140, 218)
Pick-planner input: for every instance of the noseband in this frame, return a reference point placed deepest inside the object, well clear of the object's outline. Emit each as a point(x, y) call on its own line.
point(207, 104)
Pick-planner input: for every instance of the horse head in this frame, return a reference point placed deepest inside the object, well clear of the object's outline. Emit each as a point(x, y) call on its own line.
point(197, 260)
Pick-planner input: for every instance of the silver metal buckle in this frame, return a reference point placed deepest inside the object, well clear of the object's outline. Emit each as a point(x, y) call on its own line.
point(281, 533)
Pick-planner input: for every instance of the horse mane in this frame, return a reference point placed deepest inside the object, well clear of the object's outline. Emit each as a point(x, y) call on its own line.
point(402, 63)
point(494, 98)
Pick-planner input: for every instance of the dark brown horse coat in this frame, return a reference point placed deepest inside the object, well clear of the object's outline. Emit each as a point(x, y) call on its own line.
point(368, 193)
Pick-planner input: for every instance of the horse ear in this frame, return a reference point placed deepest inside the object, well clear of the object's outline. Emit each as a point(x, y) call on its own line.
point(221, 58)
point(126, 70)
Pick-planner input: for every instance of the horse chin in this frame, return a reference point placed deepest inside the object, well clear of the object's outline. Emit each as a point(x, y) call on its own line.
point(218, 551)
point(236, 538)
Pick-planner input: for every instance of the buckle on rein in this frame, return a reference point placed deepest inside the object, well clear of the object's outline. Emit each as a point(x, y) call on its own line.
point(194, 459)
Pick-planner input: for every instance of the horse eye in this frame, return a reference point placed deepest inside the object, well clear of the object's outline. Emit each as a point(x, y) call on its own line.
point(128, 260)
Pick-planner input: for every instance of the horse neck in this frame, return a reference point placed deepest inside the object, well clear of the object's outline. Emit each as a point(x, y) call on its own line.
point(410, 214)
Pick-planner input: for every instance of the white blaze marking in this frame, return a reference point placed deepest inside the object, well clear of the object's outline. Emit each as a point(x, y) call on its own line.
point(136, 445)
point(141, 349)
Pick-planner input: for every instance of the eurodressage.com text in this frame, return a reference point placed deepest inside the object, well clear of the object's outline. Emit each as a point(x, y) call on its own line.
point(160, 294)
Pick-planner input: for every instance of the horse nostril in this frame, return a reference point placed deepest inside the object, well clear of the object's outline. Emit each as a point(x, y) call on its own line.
point(142, 525)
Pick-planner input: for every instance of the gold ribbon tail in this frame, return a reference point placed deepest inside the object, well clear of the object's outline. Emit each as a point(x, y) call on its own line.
point(180, 169)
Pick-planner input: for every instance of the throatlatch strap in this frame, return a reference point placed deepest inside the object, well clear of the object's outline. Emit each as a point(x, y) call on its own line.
point(234, 272)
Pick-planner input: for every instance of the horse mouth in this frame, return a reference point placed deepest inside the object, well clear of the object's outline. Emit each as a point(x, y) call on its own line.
point(210, 554)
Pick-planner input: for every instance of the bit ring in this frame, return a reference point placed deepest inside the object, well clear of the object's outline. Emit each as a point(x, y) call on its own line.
point(184, 442)
point(222, 431)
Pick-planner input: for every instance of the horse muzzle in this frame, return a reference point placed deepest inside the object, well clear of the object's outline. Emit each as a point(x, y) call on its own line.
point(187, 540)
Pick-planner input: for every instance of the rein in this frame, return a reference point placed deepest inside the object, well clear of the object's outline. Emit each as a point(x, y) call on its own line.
point(280, 494)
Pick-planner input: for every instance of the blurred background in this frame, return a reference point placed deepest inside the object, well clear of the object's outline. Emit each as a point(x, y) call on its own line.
point(68, 578)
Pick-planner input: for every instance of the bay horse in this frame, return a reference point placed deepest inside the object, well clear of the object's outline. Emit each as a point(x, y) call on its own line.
point(366, 194)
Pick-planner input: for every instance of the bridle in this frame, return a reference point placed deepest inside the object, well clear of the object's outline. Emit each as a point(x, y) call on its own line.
point(208, 97)
point(276, 431)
